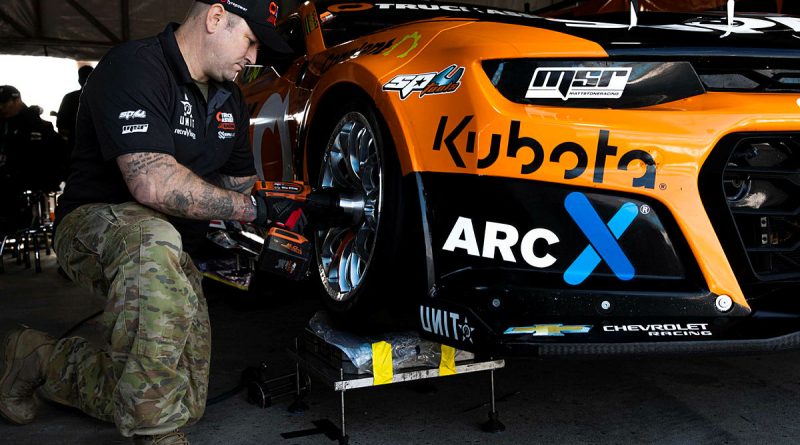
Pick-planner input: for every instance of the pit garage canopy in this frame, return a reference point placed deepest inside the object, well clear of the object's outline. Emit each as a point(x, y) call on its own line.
point(81, 29)
point(579, 8)
point(86, 29)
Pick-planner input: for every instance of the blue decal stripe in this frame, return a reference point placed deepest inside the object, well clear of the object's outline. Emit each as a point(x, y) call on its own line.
point(581, 210)
point(598, 234)
point(582, 267)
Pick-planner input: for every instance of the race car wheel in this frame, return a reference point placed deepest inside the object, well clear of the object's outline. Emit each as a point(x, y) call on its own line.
point(354, 258)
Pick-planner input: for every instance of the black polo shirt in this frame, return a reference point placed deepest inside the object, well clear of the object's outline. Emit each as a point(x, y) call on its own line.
point(141, 98)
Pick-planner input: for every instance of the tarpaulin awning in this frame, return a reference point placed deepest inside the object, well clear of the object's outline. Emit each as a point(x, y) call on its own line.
point(83, 29)
point(86, 29)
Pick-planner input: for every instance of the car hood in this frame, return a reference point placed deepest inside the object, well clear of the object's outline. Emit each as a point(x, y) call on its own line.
point(670, 34)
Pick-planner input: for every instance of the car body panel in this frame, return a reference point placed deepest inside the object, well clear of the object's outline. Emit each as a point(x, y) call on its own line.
point(652, 154)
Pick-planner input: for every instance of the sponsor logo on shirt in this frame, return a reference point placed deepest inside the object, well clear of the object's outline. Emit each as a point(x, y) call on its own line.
point(128, 115)
point(140, 128)
point(185, 132)
point(225, 135)
point(187, 120)
point(226, 121)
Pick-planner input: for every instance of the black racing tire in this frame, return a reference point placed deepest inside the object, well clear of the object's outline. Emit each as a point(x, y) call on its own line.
point(360, 264)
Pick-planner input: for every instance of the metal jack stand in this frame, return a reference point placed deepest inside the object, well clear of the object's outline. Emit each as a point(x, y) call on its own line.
point(298, 405)
point(493, 425)
point(307, 361)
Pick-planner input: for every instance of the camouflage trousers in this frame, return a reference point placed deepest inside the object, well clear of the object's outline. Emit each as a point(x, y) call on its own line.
point(153, 375)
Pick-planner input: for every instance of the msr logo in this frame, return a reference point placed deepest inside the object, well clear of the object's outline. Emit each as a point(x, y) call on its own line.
point(602, 239)
point(518, 145)
point(578, 83)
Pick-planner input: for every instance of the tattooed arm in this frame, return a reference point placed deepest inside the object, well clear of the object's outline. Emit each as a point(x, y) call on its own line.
point(241, 184)
point(158, 181)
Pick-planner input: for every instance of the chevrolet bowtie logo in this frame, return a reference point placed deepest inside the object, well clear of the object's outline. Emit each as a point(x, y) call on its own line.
point(549, 330)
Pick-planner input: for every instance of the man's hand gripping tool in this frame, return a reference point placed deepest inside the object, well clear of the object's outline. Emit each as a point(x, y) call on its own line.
point(283, 208)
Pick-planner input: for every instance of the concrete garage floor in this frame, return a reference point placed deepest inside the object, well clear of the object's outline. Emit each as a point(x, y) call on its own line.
point(753, 399)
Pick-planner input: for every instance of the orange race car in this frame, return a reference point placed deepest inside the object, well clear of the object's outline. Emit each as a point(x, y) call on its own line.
point(626, 184)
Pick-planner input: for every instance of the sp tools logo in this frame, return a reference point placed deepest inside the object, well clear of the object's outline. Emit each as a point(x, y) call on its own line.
point(445, 81)
point(578, 83)
point(128, 115)
point(602, 238)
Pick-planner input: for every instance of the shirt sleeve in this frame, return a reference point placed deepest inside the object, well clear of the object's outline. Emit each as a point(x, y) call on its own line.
point(129, 100)
point(241, 161)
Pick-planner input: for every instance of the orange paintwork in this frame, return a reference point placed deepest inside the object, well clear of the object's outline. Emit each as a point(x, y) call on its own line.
point(678, 135)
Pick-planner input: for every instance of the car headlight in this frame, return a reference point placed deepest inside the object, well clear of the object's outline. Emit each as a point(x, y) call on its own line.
point(593, 83)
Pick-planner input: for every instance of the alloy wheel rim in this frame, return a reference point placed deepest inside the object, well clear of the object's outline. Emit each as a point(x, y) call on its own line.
point(351, 166)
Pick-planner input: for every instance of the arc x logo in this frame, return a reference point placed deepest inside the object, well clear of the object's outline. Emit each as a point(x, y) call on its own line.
point(602, 238)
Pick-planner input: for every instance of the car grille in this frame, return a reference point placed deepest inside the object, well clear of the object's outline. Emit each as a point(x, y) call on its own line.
point(748, 75)
point(751, 188)
point(753, 81)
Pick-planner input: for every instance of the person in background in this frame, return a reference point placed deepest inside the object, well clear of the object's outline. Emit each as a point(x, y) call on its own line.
point(30, 151)
point(68, 111)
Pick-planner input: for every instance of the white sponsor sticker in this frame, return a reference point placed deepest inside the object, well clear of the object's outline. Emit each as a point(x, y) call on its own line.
point(225, 135)
point(663, 330)
point(573, 83)
point(446, 324)
point(500, 239)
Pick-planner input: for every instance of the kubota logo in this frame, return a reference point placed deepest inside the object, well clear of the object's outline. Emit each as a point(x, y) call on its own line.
point(528, 147)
